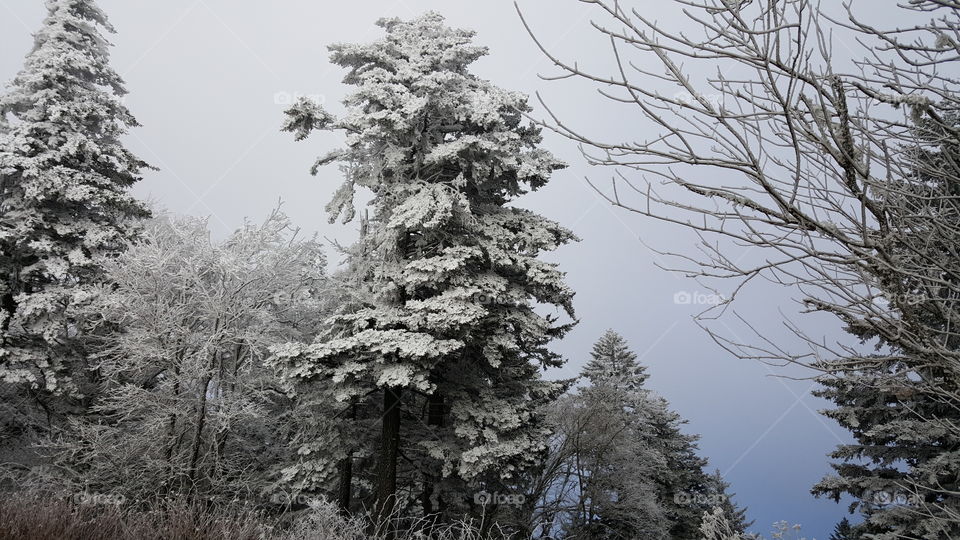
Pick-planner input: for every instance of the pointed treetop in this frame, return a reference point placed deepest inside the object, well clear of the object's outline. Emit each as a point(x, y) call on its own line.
point(65, 105)
point(614, 362)
point(843, 531)
point(718, 490)
point(64, 197)
point(69, 52)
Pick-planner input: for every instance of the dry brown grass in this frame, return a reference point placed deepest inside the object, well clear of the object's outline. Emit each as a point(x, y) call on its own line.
point(37, 517)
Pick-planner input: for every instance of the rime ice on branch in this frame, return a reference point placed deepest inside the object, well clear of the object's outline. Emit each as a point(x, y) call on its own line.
point(64, 181)
point(449, 270)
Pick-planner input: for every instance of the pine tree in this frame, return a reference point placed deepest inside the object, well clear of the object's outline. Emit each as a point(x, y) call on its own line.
point(620, 464)
point(719, 495)
point(682, 484)
point(843, 531)
point(902, 406)
point(447, 335)
point(64, 201)
point(612, 359)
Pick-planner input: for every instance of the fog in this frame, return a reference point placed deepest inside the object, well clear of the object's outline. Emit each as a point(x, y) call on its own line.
point(209, 80)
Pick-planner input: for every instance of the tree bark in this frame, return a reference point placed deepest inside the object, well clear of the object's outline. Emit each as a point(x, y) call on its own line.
point(345, 469)
point(433, 514)
point(198, 435)
point(8, 304)
point(386, 488)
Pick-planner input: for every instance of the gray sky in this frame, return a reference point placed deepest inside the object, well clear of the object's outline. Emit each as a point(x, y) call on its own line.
point(209, 80)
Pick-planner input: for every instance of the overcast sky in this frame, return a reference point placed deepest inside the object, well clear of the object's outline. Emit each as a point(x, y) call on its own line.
point(209, 80)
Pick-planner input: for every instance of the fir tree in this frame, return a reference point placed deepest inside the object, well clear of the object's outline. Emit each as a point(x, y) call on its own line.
point(625, 448)
point(447, 334)
point(843, 531)
point(64, 200)
point(612, 359)
point(682, 486)
point(719, 495)
point(901, 406)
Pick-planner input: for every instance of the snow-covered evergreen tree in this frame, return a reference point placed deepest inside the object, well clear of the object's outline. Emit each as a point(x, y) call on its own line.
point(448, 335)
point(620, 465)
point(64, 201)
point(612, 360)
point(718, 494)
point(903, 459)
point(683, 486)
point(902, 407)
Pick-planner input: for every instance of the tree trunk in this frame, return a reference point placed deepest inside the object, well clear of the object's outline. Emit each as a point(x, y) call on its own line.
point(198, 435)
point(386, 488)
point(345, 468)
point(8, 304)
point(221, 438)
point(433, 514)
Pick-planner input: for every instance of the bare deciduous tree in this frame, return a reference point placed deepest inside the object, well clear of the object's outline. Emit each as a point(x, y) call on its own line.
point(825, 147)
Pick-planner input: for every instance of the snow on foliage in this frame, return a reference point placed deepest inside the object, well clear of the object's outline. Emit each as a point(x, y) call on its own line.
point(448, 268)
point(187, 403)
point(65, 201)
